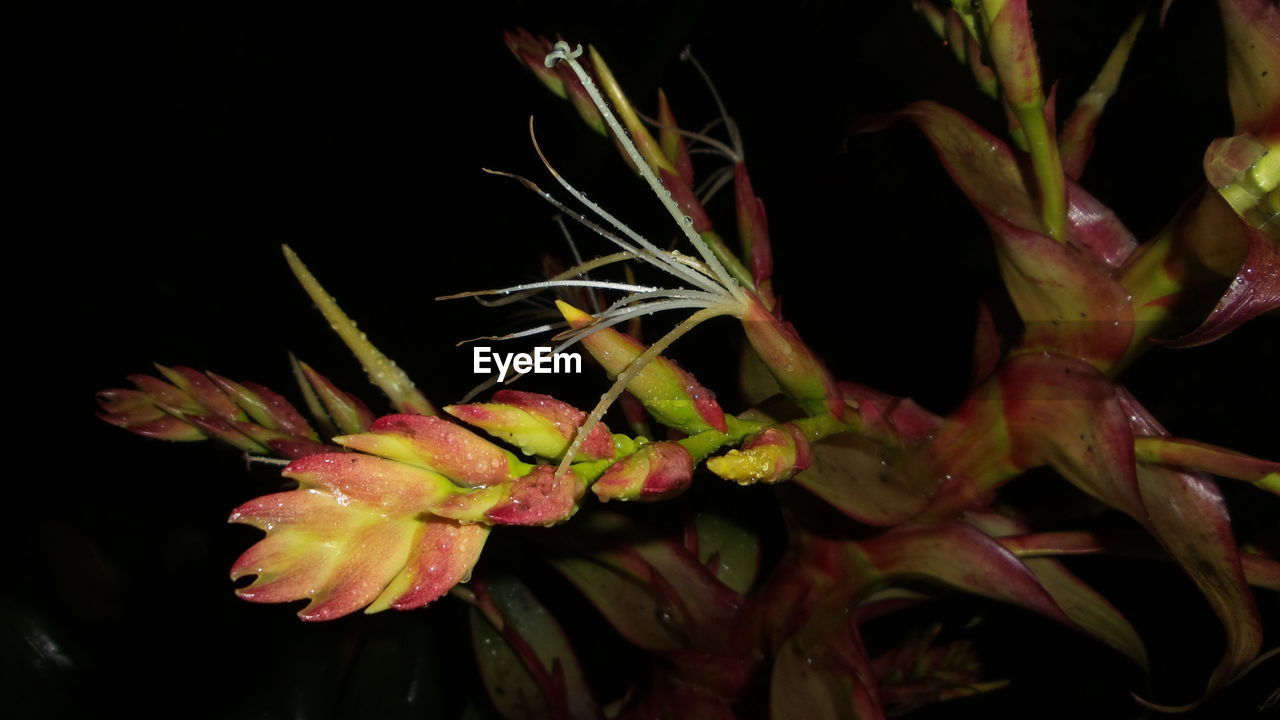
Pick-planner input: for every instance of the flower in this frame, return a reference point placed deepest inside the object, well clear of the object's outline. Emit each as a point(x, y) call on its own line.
point(397, 522)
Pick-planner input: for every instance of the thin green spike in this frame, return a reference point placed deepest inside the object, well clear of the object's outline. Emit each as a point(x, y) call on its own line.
point(382, 371)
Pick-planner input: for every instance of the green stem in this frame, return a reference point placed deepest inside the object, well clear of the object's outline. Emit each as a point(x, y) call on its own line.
point(1047, 164)
point(818, 427)
point(701, 446)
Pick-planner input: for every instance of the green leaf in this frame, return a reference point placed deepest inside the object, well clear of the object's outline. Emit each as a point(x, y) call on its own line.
point(1252, 28)
point(1255, 290)
point(1068, 302)
point(507, 680)
point(1063, 412)
point(961, 556)
point(1192, 455)
point(1087, 608)
point(1077, 135)
point(823, 673)
point(688, 601)
point(630, 606)
point(860, 478)
point(1061, 287)
point(533, 638)
point(1186, 513)
point(730, 550)
point(878, 476)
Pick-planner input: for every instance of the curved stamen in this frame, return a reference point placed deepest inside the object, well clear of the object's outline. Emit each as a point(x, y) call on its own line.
point(734, 136)
point(575, 271)
point(515, 335)
point(622, 227)
point(569, 338)
point(661, 259)
point(574, 336)
point(714, 183)
point(716, 147)
point(707, 298)
point(577, 256)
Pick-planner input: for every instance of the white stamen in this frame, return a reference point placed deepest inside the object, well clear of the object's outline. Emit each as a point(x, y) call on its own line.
point(624, 315)
point(577, 257)
point(544, 284)
point(665, 261)
point(519, 334)
point(714, 183)
point(716, 147)
point(562, 52)
point(621, 227)
point(734, 136)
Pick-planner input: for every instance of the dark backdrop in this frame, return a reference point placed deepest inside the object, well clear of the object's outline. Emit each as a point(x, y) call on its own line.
point(163, 151)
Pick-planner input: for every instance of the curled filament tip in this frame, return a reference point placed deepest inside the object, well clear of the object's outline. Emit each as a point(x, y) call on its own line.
point(560, 52)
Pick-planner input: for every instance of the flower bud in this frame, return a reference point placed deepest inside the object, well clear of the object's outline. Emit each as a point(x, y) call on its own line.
point(669, 393)
point(753, 227)
point(771, 455)
point(204, 391)
point(672, 143)
point(345, 411)
point(265, 407)
point(540, 425)
point(538, 498)
point(435, 444)
point(656, 471)
point(796, 368)
point(137, 412)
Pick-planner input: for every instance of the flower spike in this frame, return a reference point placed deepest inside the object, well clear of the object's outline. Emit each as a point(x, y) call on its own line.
point(198, 406)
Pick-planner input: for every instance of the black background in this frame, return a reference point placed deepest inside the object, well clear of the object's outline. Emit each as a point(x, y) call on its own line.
point(163, 151)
